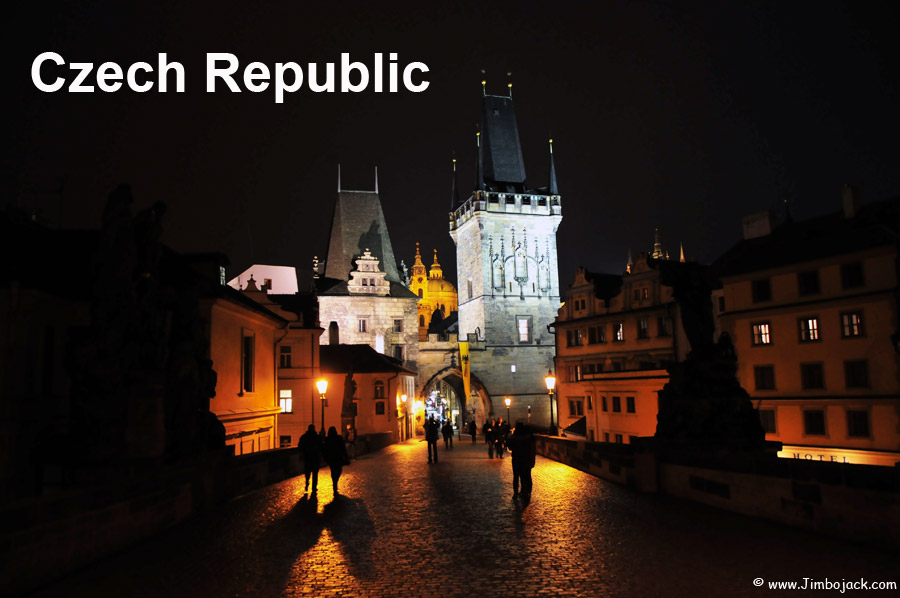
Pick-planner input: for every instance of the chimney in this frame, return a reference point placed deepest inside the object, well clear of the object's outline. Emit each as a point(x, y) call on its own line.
point(333, 334)
point(851, 201)
point(759, 224)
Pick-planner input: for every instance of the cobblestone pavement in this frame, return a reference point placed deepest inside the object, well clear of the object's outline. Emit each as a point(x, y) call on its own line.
point(402, 527)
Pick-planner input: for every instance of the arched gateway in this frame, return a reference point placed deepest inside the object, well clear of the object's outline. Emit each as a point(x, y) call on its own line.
point(447, 384)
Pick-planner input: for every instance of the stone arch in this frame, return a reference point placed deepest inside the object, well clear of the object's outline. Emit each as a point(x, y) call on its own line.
point(452, 376)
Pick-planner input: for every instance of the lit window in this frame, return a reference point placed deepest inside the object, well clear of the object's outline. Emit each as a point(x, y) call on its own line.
point(524, 327)
point(363, 325)
point(645, 293)
point(809, 330)
point(285, 356)
point(851, 324)
point(761, 334)
point(285, 400)
point(619, 331)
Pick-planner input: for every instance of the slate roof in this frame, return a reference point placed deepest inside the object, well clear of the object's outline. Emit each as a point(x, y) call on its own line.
point(361, 359)
point(875, 225)
point(502, 152)
point(358, 224)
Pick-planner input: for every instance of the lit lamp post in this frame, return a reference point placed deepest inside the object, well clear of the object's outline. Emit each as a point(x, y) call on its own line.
point(508, 401)
point(550, 379)
point(322, 385)
point(405, 417)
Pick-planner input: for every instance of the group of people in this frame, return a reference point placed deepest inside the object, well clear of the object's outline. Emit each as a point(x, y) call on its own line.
point(334, 450)
point(496, 433)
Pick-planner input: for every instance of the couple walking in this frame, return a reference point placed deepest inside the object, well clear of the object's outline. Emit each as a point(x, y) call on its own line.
point(332, 448)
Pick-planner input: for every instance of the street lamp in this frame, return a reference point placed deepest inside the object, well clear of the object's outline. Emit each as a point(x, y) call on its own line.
point(550, 380)
point(322, 385)
point(508, 401)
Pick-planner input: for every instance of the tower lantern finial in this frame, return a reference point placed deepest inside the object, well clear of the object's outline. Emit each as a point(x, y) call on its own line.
point(483, 83)
point(509, 83)
point(376, 179)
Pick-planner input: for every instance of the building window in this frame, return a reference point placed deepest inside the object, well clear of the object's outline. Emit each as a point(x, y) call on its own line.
point(645, 293)
point(643, 330)
point(663, 326)
point(422, 321)
point(285, 401)
point(721, 304)
point(761, 333)
point(619, 332)
point(856, 373)
point(590, 402)
point(808, 282)
point(637, 294)
point(363, 325)
point(575, 373)
point(606, 437)
point(523, 325)
point(248, 346)
point(379, 408)
point(284, 442)
point(596, 334)
point(809, 329)
point(603, 406)
point(469, 288)
point(851, 324)
point(812, 376)
point(629, 404)
point(857, 423)
point(420, 294)
point(619, 439)
point(379, 389)
point(398, 352)
point(398, 325)
point(767, 420)
point(576, 407)
point(762, 290)
point(617, 405)
point(814, 422)
point(284, 358)
point(764, 377)
point(852, 275)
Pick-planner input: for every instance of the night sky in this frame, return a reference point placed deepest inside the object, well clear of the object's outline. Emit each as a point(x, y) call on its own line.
point(686, 118)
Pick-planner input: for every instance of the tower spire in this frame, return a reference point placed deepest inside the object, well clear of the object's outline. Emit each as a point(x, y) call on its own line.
point(509, 84)
point(629, 263)
point(681, 259)
point(376, 180)
point(658, 253)
point(454, 188)
point(554, 188)
point(479, 172)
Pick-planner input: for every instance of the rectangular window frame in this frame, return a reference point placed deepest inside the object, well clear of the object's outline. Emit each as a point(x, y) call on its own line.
point(812, 375)
point(761, 334)
point(855, 427)
point(764, 377)
point(852, 324)
point(856, 373)
point(809, 329)
point(808, 415)
point(768, 421)
point(285, 356)
point(524, 329)
point(643, 328)
point(761, 290)
point(630, 405)
point(617, 404)
point(618, 332)
point(248, 361)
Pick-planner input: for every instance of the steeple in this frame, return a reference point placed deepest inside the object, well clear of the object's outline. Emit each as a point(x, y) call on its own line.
point(454, 189)
point(658, 253)
point(418, 268)
point(554, 189)
point(435, 271)
point(681, 259)
point(630, 263)
point(479, 170)
point(502, 163)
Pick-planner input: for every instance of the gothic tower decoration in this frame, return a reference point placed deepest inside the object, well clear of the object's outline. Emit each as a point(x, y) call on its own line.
point(505, 235)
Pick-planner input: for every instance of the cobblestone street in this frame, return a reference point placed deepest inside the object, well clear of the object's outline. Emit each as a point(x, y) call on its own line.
point(402, 527)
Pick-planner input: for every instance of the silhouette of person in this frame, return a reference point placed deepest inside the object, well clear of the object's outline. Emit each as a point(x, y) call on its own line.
point(523, 447)
point(447, 432)
point(431, 437)
point(501, 433)
point(335, 455)
point(311, 446)
point(350, 439)
point(488, 431)
point(472, 430)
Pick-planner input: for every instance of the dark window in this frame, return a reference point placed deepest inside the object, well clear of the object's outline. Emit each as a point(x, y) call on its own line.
point(619, 439)
point(596, 334)
point(761, 333)
point(422, 321)
point(814, 422)
point(574, 338)
point(643, 328)
point(721, 304)
point(767, 419)
point(617, 405)
point(629, 404)
point(857, 373)
point(762, 290)
point(812, 376)
point(590, 402)
point(851, 324)
point(420, 293)
point(247, 358)
point(603, 405)
point(857, 423)
point(637, 294)
point(398, 325)
point(663, 326)
point(398, 352)
point(285, 356)
point(808, 282)
point(576, 407)
point(809, 329)
point(379, 389)
point(379, 407)
point(852, 275)
point(469, 286)
point(606, 437)
point(764, 377)
point(363, 325)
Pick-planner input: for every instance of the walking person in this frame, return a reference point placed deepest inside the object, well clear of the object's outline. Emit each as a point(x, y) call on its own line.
point(350, 439)
point(472, 430)
point(523, 447)
point(501, 433)
point(335, 455)
point(488, 430)
point(311, 446)
point(447, 431)
point(431, 437)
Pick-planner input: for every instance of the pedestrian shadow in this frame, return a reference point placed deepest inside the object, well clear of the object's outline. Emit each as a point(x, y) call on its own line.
point(353, 529)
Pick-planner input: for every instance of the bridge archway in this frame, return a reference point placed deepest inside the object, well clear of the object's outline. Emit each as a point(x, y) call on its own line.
point(478, 405)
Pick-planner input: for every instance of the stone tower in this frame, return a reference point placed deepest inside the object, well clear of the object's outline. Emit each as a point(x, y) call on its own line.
point(508, 282)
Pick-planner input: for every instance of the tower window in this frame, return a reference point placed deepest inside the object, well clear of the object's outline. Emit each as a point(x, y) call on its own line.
point(523, 326)
point(363, 325)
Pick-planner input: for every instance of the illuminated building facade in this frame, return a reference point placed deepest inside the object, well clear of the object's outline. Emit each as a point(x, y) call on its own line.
point(435, 293)
point(812, 307)
point(616, 336)
point(505, 236)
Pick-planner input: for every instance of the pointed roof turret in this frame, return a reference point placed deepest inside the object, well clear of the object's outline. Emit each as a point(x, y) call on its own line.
point(681, 259)
point(503, 166)
point(435, 271)
point(418, 268)
point(554, 188)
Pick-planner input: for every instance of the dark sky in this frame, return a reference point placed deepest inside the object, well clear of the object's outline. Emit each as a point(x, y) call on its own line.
point(684, 117)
